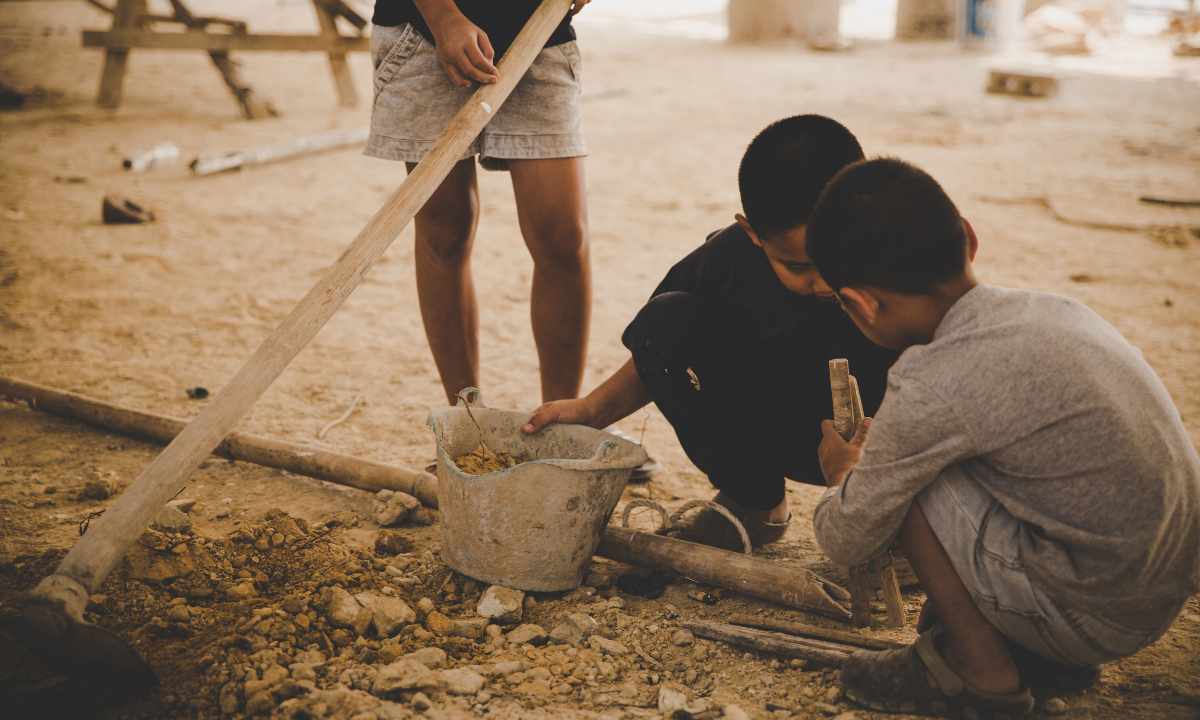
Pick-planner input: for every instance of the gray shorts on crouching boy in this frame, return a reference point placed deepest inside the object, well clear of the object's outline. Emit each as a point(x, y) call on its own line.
point(415, 100)
point(981, 538)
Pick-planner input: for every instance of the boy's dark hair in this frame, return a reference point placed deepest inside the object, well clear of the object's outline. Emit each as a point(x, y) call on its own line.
point(787, 165)
point(886, 224)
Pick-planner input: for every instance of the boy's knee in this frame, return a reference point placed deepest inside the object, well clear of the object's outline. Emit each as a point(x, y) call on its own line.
point(445, 231)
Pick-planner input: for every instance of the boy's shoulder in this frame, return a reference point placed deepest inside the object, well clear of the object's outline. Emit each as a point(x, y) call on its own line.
point(1015, 331)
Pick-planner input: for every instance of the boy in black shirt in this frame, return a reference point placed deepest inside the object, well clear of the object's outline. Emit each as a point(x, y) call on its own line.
point(734, 345)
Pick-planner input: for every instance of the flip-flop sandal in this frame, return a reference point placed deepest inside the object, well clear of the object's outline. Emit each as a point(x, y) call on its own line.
point(917, 679)
point(1041, 674)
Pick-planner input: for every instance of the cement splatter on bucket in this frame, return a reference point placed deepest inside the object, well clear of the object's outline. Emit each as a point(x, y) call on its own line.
point(534, 526)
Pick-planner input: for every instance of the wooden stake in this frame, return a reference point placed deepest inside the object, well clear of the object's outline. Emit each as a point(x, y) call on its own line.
point(95, 554)
point(812, 631)
point(866, 578)
point(814, 651)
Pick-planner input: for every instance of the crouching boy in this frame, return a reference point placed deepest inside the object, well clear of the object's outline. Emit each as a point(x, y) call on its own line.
point(1026, 458)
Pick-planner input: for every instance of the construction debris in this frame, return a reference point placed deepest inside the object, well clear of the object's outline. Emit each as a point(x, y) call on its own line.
point(120, 210)
point(212, 164)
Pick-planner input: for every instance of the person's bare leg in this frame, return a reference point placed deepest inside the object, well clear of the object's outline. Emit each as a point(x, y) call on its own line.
point(552, 210)
point(445, 231)
point(974, 648)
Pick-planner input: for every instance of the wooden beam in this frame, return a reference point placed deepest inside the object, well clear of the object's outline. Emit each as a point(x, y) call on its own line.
point(126, 14)
point(343, 81)
point(119, 40)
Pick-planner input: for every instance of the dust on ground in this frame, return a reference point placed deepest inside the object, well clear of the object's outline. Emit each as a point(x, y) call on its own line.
point(138, 314)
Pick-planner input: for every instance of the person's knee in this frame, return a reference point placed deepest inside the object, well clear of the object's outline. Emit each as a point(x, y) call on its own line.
point(445, 227)
point(558, 243)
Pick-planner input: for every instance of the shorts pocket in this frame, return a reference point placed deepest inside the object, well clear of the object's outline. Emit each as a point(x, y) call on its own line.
point(390, 57)
point(570, 52)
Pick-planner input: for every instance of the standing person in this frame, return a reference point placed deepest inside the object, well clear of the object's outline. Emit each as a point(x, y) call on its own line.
point(733, 346)
point(428, 55)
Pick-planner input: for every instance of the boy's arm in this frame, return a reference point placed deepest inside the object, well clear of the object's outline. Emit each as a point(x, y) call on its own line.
point(463, 48)
point(913, 439)
point(617, 397)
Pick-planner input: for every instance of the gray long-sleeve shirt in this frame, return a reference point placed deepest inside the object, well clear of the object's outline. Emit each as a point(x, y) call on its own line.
point(1054, 413)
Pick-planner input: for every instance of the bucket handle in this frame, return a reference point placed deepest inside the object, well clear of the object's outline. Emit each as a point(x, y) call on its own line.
point(470, 397)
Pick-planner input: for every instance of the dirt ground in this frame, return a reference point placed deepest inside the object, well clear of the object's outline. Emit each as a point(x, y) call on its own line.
point(137, 314)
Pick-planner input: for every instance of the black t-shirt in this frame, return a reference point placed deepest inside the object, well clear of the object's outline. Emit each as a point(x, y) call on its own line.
point(500, 19)
point(790, 337)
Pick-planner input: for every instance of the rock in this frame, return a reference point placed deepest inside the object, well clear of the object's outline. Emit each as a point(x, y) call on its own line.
point(274, 675)
point(394, 508)
point(462, 681)
point(733, 712)
point(671, 700)
point(438, 623)
point(1055, 706)
point(683, 638)
point(228, 698)
point(425, 606)
point(294, 688)
point(603, 645)
point(531, 634)
point(403, 675)
point(430, 657)
point(422, 517)
point(97, 489)
point(182, 504)
point(506, 668)
point(242, 590)
point(388, 614)
point(302, 671)
point(420, 702)
point(158, 567)
point(262, 703)
point(833, 695)
point(171, 519)
point(501, 605)
point(575, 629)
point(493, 632)
point(179, 613)
point(388, 543)
point(344, 611)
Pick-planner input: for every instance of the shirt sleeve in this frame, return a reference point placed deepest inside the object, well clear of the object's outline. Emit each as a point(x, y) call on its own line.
point(914, 437)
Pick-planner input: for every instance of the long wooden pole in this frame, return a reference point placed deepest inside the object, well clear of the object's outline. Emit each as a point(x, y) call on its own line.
point(97, 552)
point(300, 459)
point(814, 651)
point(783, 583)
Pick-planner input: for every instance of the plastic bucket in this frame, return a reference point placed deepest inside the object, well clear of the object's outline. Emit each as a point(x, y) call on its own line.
point(534, 526)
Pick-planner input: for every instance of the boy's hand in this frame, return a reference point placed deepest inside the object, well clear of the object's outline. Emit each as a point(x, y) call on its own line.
point(576, 411)
point(464, 50)
point(578, 5)
point(837, 456)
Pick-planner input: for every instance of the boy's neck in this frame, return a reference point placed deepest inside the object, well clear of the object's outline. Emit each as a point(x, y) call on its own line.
point(945, 297)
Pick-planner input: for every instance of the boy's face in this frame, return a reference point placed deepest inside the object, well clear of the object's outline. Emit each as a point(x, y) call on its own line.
point(787, 252)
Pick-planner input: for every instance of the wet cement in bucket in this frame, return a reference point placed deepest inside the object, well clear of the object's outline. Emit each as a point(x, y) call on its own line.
point(483, 460)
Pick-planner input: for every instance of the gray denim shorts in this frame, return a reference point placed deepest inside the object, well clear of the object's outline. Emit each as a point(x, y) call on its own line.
point(414, 102)
point(981, 538)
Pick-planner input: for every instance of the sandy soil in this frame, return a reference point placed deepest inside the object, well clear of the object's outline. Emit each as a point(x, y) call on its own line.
point(137, 314)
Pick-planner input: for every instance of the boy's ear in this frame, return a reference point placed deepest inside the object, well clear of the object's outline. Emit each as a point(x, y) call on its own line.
point(972, 240)
point(745, 225)
point(861, 303)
